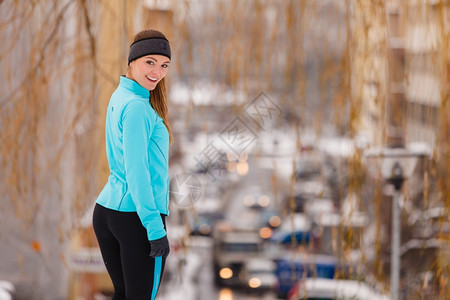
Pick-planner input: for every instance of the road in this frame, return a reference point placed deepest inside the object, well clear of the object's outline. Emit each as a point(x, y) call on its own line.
point(195, 279)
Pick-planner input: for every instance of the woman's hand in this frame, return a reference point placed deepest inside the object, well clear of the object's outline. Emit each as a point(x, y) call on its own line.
point(160, 247)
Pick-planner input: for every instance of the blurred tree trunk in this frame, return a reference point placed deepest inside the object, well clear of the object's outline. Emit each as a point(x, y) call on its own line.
point(48, 140)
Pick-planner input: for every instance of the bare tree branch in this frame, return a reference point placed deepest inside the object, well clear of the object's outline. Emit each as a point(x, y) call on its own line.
point(8, 99)
point(93, 44)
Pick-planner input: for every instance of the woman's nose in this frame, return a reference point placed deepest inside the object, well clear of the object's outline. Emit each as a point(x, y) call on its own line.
point(157, 72)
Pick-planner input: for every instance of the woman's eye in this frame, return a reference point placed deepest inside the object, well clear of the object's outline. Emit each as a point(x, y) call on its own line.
point(150, 62)
point(165, 65)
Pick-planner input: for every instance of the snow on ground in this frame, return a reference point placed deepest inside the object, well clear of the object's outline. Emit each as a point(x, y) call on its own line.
point(6, 288)
point(183, 285)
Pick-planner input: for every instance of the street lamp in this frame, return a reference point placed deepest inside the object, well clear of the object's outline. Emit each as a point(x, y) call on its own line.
point(396, 165)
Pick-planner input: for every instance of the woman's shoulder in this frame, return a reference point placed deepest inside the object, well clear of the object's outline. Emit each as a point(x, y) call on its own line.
point(138, 105)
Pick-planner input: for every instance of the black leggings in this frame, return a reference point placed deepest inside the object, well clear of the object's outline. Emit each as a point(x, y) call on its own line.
point(125, 250)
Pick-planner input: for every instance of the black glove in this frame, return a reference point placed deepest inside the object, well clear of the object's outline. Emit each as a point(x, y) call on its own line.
point(160, 247)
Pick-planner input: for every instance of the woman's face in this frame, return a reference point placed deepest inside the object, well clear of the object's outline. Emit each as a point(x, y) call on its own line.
point(148, 70)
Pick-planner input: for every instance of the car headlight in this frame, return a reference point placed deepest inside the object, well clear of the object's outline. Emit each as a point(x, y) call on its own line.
point(265, 232)
point(204, 229)
point(275, 221)
point(226, 273)
point(254, 282)
point(263, 200)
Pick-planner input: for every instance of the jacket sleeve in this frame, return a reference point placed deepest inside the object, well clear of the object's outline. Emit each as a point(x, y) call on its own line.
point(137, 127)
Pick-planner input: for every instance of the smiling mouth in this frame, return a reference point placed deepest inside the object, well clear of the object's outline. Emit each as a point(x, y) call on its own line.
point(151, 79)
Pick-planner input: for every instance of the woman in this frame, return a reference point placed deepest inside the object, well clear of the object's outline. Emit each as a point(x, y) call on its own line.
point(129, 216)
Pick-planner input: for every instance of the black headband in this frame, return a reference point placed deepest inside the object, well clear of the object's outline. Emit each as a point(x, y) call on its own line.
point(154, 45)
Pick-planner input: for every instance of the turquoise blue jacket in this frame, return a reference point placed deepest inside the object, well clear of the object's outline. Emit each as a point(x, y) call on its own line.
point(137, 147)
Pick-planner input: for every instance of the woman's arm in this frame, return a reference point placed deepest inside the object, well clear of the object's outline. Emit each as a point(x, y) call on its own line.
point(137, 128)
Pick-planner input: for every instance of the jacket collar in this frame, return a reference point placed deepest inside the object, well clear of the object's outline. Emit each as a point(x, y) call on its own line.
point(133, 86)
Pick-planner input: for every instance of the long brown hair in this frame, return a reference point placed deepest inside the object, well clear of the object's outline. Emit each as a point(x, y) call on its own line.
point(158, 96)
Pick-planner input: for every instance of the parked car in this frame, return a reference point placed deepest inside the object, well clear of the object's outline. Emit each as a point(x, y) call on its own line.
point(260, 274)
point(298, 226)
point(308, 168)
point(293, 268)
point(330, 289)
point(203, 224)
point(231, 251)
point(289, 270)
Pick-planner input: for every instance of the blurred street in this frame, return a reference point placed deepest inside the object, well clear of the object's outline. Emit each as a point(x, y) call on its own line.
point(257, 205)
point(199, 258)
